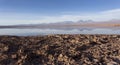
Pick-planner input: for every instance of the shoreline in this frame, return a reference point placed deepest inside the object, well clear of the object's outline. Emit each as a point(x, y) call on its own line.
point(42, 35)
point(62, 49)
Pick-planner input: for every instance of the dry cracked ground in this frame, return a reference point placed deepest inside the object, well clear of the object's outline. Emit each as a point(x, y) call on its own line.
point(60, 50)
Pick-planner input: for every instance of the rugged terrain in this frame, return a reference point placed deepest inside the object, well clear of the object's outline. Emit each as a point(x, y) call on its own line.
point(60, 50)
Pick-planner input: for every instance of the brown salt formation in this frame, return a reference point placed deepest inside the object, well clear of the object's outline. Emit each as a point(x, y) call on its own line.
point(60, 50)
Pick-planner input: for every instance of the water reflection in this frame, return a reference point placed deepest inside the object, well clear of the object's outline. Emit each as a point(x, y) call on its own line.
point(32, 32)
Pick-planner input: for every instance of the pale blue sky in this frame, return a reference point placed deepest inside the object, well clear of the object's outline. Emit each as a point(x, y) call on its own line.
point(46, 11)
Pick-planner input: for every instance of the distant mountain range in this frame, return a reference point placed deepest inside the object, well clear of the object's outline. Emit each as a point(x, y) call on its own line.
point(70, 24)
point(73, 22)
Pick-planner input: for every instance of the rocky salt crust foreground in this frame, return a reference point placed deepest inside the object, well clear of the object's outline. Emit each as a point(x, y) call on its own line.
point(60, 50)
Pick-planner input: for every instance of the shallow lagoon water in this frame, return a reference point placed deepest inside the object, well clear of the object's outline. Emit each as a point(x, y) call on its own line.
point(34, 32)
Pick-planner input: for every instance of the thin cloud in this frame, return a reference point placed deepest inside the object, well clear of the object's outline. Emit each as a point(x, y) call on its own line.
point(112, 11)
point(18, 18)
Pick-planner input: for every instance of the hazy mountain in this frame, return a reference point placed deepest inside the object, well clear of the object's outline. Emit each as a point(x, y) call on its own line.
point(63, 22)
point(73, 22)
point(85, 21)
point(70, 24)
